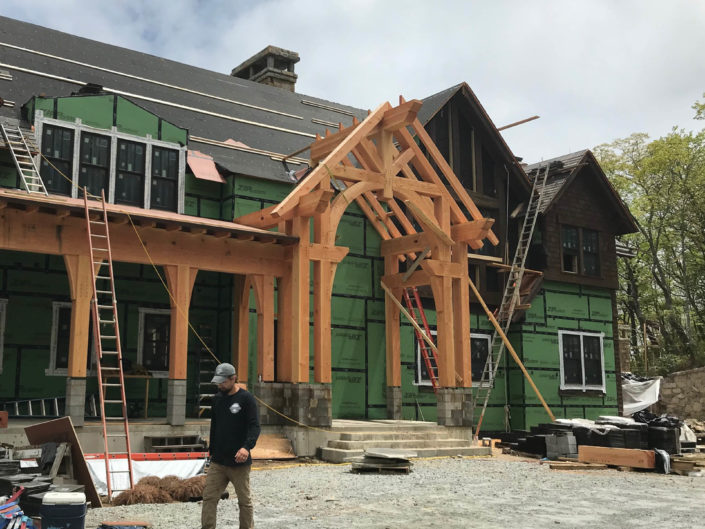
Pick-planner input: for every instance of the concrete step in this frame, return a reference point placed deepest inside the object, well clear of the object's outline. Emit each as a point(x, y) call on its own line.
point(398, 443)
point(339, 455)
point(393, 435)
point(349, 425)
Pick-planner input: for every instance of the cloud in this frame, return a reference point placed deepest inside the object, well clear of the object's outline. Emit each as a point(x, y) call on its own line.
point(595, 70)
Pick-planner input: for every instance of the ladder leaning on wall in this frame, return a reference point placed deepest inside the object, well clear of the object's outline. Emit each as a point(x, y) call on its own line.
point(430, 359)
point(106, 333)
point(22, 156)
point(511, 295)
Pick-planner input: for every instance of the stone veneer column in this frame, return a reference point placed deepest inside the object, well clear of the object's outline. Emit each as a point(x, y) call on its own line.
point(394, 403)
point(454, 406)
point(75, 406)
point(309, 404)
point(176, 402)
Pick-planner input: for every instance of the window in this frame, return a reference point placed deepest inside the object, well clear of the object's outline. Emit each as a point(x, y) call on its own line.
point(60, 340)
point(57, 151)
point(165, 178)
point(153, 345)
point(141, 172)
point(580, 251)
point(129, 186)
point(94, 169)
point(569, 240)
point(479, 351)
point(582, 360)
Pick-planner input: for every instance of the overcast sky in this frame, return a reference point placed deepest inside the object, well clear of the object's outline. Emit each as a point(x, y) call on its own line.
point(594, 70)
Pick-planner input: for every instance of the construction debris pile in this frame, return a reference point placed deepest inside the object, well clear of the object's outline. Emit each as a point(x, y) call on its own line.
point(383, 461)
point(168, 489)
point(27, 474)
point(646, 441)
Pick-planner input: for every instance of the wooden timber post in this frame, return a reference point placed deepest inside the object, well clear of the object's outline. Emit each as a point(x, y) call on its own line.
point(461, 322)
point(241, 324)
point(78, 268)
point(180, 279)
point(264, 301)
point(391, 324)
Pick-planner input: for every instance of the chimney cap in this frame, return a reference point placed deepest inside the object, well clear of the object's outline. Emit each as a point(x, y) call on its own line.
point(274, 51)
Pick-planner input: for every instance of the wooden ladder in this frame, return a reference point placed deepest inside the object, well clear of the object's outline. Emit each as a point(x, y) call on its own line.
point(415, 308)
point(106, 334)
point(511, 296)
point(21, 154)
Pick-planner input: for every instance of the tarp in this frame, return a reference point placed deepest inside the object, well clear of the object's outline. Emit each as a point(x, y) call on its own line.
point(638, 396)
point(186, 468)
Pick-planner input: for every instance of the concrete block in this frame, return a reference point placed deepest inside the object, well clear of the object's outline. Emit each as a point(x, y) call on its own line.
point(75, 406)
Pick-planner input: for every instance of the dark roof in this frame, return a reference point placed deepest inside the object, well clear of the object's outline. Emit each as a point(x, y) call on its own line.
point(433, 103)
point(210, 105)
point(562, 171)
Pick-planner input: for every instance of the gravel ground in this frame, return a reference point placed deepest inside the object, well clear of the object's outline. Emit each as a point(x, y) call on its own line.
point(459, 492)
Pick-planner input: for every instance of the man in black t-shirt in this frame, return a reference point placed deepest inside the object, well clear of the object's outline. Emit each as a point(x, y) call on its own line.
point(234, 432)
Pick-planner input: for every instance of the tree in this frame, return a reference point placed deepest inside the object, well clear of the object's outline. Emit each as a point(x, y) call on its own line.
point(663, 183)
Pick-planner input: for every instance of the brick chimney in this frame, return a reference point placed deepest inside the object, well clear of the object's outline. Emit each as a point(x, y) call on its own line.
point(272, 66)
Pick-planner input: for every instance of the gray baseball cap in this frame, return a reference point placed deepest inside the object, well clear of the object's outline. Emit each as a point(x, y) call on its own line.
point(222, 373)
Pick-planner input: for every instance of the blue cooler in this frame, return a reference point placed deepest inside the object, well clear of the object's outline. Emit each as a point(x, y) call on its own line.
point(63, 510)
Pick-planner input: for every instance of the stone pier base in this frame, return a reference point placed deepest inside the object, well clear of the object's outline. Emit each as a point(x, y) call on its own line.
point(309, 404)
point(394, 403)
point(176, 402)
point(454, 406)
point(76, 400)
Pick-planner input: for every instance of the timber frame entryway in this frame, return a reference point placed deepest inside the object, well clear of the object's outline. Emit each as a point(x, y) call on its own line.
point(391, 168)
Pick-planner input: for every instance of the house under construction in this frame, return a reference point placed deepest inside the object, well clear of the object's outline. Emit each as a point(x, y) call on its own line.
point(331, 253)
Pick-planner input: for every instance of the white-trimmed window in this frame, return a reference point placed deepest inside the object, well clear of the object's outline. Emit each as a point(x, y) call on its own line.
point(153, 341)
point(479, 349)
point(3, 311)
point(582, 360)
point(61, 339)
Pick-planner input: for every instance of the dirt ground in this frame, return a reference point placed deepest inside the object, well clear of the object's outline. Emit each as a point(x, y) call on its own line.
point(498, 492)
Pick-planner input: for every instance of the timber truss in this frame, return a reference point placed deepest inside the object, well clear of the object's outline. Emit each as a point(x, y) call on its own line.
point(391, 168)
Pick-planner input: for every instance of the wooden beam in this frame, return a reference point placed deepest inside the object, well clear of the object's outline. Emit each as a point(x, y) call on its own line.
point(341, 151)
point(450, 176)
point(61, 213)
point(474, 230)
point(78, 268)
point(391, 325)
point(397, 280)
point(241, 302)
point(38, 232)
point(265, 326)
point(321, 148)
point(444, 268)
point(461, 314)
point(412, 268)
point(401, 116)
point(180, 279)
point(353, 174)
point(404, 244)
point(428, 223)
point(627, 457)
point(314, 203)
point(443, 299)
point(320, 252)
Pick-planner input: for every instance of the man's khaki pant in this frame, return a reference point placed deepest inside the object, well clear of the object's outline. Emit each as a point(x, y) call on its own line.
point(216, 481)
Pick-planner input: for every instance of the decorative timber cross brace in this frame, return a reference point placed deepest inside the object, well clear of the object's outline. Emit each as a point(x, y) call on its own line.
point(389, 166)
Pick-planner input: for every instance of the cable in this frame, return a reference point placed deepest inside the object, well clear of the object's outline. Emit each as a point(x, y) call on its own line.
point(166, 287)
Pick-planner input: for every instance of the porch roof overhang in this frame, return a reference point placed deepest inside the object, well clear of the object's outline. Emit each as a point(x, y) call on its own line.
point(72, 207)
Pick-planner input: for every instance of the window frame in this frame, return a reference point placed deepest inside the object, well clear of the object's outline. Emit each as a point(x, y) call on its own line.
point(53, 160)
point(140, 338)
point(582, 387)
point(580, 252)
point(52, 370)
point(40, 121)
point(418, 381)
point(489, 353)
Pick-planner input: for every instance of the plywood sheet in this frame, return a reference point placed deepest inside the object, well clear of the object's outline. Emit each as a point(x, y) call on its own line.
point(61, 431)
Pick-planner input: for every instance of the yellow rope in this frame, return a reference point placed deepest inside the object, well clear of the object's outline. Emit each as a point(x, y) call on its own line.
point(179, 308)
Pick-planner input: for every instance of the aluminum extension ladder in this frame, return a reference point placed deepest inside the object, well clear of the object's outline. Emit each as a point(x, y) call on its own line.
point(21, 154)
point(511, 295)
point(113, 405)
point(415, 308)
